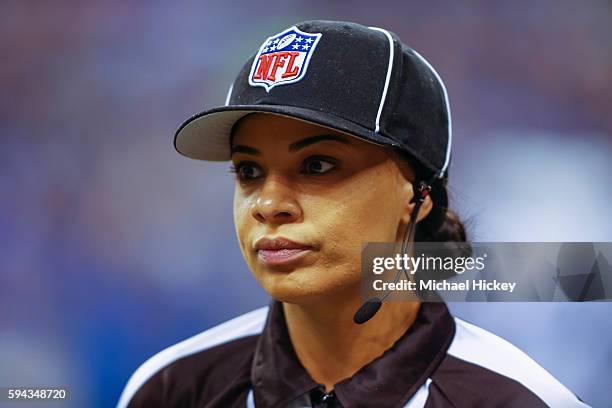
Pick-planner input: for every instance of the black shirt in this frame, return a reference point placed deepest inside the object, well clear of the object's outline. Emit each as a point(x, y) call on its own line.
point(440, 361)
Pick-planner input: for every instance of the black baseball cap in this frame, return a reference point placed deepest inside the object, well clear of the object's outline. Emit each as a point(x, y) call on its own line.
point(355, 79)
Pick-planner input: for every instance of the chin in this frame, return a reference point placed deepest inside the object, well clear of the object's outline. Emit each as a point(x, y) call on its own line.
point(302, 286)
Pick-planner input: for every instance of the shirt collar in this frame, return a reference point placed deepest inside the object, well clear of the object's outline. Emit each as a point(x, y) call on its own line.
point(279, 378)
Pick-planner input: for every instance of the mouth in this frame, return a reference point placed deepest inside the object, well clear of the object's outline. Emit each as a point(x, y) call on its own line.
point(280, 251)
point(280, 256)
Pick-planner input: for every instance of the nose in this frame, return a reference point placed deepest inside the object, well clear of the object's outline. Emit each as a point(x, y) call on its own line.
point(276, 203)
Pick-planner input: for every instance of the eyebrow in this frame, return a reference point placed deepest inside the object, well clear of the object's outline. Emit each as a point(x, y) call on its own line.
point(293, 147)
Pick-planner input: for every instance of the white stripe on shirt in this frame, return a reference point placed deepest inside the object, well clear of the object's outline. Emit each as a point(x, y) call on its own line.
point(244, 325)
point(483, 348)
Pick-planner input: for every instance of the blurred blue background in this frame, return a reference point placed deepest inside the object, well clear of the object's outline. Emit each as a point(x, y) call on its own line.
point(113, 246)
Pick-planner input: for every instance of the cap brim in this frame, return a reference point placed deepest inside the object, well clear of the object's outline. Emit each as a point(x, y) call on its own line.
point(206, 136)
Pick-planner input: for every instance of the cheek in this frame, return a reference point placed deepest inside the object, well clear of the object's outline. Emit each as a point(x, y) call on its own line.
point(365, 211)
point(353, 215)
point(243, 222)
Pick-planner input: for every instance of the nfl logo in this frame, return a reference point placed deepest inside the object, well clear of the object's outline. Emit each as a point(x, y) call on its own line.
point(283, 58)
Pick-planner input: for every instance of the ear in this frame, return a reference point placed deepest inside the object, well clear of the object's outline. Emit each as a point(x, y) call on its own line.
point(408, 207)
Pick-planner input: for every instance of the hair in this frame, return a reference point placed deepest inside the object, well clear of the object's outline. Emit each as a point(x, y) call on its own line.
point(441, 225)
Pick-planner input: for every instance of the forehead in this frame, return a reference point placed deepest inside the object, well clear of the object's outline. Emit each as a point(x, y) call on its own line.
point(258, 127)
point(262, 132)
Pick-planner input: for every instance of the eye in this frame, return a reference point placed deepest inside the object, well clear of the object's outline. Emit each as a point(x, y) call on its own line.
point(246, 171)
point(318, 165)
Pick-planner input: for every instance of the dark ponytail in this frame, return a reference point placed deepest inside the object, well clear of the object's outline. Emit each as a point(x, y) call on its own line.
point(441, 225)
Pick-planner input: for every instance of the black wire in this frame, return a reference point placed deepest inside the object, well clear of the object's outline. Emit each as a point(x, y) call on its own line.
point(410, 230)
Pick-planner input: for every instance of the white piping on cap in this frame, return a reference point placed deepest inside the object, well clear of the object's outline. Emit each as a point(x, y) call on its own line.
point(387, 79)
point(229, 94)
point(448, 114)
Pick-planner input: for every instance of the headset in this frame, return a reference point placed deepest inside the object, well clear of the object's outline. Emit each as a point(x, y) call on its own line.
point(371, 306)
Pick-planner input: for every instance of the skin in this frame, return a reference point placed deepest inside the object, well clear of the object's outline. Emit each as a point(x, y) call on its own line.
point(333, 196)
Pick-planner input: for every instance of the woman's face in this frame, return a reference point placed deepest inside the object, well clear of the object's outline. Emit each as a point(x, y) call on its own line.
point(326, 191)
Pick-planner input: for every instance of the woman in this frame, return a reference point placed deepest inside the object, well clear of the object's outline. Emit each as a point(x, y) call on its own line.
point(339, 135)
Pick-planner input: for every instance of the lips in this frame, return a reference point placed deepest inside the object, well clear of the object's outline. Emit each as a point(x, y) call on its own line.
point(280, 251)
